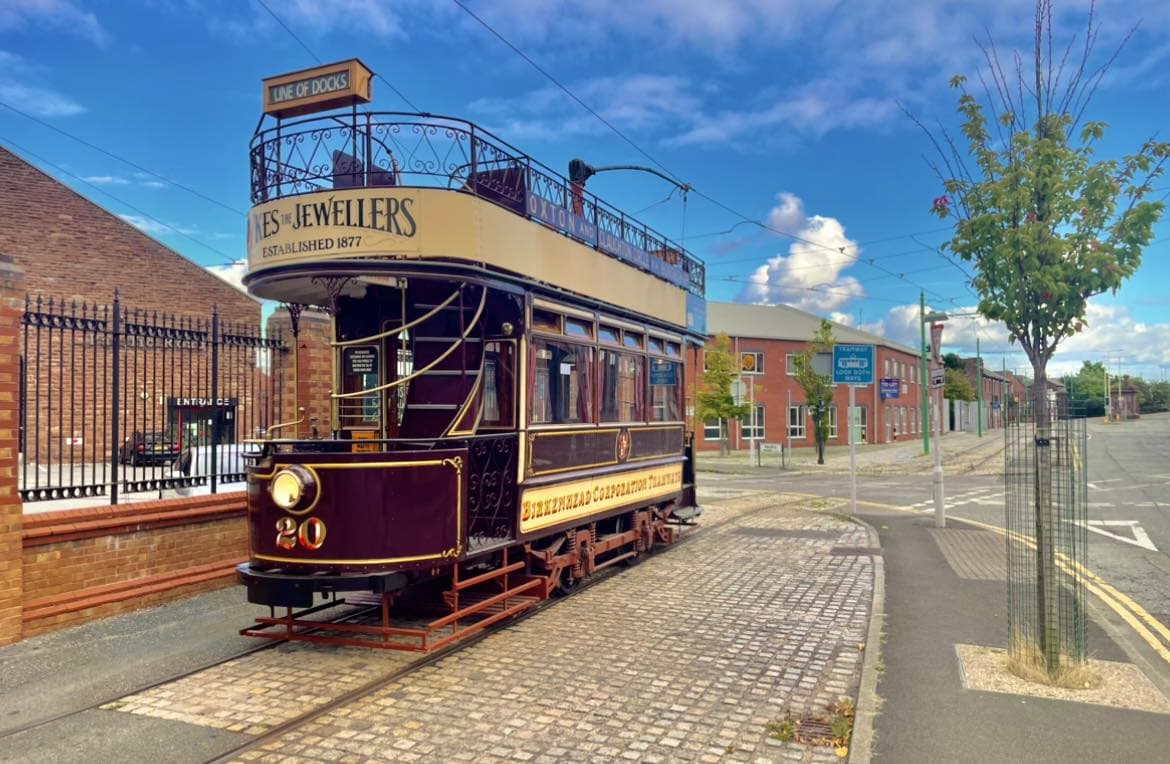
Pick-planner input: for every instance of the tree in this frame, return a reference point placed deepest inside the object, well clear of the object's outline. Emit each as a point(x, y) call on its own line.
point(956, 386)
point(1047, 226)
point(715, 401)
point(818, 388)
point(1086, 388)
point(952, 361)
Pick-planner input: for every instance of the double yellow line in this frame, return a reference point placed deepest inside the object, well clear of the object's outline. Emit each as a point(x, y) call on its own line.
point(1149, 628)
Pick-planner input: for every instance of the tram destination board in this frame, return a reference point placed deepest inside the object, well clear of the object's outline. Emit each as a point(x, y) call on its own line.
point(323, 87)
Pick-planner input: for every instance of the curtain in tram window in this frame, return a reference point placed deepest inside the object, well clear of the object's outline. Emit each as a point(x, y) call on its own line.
point(585, 377)
point(530, 382)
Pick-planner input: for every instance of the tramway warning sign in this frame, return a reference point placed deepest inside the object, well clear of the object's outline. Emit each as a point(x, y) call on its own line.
point(853, 364)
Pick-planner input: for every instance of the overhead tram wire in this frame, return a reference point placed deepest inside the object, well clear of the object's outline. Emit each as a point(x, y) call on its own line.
point(317, 58)
point(226, 258)
point(647, 155)
point(124, 160)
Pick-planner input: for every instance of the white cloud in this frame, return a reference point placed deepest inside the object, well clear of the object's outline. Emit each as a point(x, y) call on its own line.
point(140, 179)
point(809, 277)
point(638, 101)
point(788, 213)
point(232, 274)
point(54, 14)
point(156, 228)
point(20, 86)
point(313, 18)
point(1111, 330)
point(106, 180)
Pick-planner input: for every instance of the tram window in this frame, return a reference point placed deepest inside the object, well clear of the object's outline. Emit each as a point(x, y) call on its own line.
point(575, 328)
point(665, 390)
point(546, 321)
point(621, 386)
point(657, 346)
point(608, 335)
point(498, 385)
point(561, 389)
point(632, 340)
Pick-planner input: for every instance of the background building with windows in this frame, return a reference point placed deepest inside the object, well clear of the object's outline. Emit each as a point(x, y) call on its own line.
point(766, 339)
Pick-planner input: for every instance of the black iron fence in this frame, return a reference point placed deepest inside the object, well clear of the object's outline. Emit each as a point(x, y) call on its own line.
point(117, 400)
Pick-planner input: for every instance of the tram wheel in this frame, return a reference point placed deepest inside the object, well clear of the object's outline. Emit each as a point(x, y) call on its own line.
point(567, 583)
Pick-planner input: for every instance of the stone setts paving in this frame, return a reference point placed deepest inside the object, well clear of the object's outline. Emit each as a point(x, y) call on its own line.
point(685, 657)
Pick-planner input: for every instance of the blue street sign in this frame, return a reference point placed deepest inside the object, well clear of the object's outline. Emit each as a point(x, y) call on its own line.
point(853, 364)
point(890, 387)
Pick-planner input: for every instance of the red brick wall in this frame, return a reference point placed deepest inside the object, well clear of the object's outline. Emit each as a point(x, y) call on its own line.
point(80, 565)
point(71, 248)
point(774, 388)
point(11, 525)
point(312, 384)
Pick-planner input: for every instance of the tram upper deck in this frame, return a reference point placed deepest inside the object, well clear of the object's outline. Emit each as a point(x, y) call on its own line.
point(358, 191)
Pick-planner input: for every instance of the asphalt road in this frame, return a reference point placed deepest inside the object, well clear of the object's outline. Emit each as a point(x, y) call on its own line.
point(1129, 504)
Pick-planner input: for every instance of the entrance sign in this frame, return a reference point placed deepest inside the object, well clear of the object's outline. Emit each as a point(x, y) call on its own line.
point(853, 364)
point(323, 87)
point(890, 387)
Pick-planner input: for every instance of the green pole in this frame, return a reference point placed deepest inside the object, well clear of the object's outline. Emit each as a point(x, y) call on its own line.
point(979, 388)
point(923, 390)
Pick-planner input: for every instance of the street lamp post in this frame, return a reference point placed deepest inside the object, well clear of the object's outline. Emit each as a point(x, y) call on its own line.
point(936, 319)
point(979, 388)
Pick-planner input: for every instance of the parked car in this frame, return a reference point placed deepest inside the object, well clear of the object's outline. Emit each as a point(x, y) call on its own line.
point(148, 448)
point(196, 463)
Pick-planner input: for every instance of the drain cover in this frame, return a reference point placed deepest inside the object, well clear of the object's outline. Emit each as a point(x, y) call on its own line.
point(815, 732)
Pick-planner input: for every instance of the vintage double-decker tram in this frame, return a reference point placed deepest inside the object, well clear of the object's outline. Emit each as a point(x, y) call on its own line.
point(508, 405)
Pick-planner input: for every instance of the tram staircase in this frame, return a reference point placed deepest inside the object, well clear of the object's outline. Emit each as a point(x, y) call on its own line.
point(441, 400)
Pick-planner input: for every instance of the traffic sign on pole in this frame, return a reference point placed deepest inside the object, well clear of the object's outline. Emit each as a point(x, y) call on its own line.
point(853, 364)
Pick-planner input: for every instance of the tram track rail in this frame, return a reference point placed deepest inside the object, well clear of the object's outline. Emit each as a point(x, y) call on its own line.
point(425, 660)
point(147, 686)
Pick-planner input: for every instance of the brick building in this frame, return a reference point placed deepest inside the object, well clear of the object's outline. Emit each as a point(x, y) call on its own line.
point(1001, 391)
point(766, 338)
point(78, 254)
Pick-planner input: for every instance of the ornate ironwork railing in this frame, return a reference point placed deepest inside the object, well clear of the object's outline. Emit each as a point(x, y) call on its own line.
point(381, 149)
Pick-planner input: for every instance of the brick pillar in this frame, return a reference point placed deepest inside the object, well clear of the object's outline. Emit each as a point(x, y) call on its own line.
point(312, 379)
point(11, 581)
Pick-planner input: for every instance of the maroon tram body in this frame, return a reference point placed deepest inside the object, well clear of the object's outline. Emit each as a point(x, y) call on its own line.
point(509, 406)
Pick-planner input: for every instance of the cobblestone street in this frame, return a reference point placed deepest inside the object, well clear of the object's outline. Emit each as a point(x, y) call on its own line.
point(686, 657)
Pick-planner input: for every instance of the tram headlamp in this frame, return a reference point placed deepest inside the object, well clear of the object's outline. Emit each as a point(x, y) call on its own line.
point(287, 489)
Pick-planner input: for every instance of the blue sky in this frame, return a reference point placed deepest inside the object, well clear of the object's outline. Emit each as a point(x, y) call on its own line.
point(786, 111)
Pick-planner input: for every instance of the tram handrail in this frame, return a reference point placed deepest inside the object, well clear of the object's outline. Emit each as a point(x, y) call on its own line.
point(429, 366)
point(404, 327)
point(282, 425)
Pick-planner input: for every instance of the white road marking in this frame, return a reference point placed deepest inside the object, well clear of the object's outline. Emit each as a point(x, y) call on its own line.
point(1140, 538)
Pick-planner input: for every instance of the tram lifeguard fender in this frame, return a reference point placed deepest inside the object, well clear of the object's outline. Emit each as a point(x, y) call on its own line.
point(432, 223)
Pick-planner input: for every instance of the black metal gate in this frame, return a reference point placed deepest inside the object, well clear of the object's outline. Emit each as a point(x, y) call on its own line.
point(116, 400)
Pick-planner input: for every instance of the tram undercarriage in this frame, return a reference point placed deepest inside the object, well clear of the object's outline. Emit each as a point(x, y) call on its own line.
point(469, 597)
